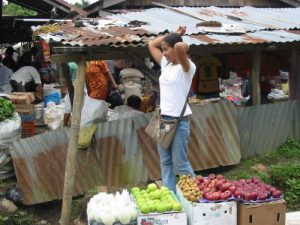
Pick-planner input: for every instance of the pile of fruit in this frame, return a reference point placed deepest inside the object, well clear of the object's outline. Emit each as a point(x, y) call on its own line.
point(216, 187)
point(189, 188)
point(154, 199)
point(108, 209)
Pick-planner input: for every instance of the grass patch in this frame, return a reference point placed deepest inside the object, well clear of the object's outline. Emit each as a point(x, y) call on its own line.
point(281, 168)
point(21, 217)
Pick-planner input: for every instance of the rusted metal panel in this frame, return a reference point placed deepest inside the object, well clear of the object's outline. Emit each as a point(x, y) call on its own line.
point(264, 127)
point(39, 164)
point(214, 139)
point(122, 153)
point(135, 28)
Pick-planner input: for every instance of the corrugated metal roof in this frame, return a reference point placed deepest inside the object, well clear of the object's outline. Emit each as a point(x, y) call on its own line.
point(245, 25)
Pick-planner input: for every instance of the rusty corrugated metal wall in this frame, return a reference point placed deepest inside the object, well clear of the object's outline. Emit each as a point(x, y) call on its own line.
point(123, 154)
point(39, 164)
point(264, 127)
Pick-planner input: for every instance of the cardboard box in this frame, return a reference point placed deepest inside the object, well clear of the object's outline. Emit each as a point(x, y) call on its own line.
point(268, 213)
point(24, 108)
point(208, 86)
point(167, 218)
point(223, 213)
point(22, 97)
point(176, 218)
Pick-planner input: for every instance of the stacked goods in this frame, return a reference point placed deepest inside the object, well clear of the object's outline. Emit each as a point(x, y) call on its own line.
point(154, 199)
point(189, 188)
point(217, 188)
point(23, 103)
point(108, 209)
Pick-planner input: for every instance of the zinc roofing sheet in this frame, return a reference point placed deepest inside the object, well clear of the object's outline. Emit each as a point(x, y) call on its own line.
point(245, 25)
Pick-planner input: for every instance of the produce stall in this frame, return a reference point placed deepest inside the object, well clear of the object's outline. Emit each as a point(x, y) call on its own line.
point(222, 201)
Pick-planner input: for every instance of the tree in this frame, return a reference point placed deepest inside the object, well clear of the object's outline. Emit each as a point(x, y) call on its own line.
point(82, 4)
point(12, 9)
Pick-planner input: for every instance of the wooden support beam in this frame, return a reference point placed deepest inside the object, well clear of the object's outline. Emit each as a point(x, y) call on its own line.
point(294, 3)
point(294, 79)
point(73, 145)
point(255, 82)
point(65, 58)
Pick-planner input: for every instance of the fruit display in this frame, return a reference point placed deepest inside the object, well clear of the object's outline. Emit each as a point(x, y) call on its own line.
point(108, 209)
point(154, 199)
point(189, 188)
point(217, 188)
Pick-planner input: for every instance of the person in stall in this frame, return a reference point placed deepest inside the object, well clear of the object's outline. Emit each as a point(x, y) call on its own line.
point(5, 75)
point(131, 109)
point(98, 76)
point(9, 59)
point(26, 78)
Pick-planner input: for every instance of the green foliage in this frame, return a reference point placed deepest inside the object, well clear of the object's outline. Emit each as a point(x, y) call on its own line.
point(3, 219)
point(290, 150)
point(82, 4)
point(12, 9)
point(292, 193)
point(7, 109)
point(19, 218)
point(283, 172)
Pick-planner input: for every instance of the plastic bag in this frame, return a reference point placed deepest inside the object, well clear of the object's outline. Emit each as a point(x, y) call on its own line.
point(245, 89)
point(93, 111)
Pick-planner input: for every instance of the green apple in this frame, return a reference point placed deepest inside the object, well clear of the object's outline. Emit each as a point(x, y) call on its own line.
point(162, 207)
point(156, 194)
point(176, 206)
point(164, 188)
point(135, 189)
point(145, 209)
point(152, 187)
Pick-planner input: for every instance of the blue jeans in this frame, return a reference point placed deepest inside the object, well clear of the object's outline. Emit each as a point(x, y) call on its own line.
point(175, 157)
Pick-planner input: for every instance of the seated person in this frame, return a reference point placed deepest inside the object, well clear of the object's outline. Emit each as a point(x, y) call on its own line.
point(26, 79)
point(131, 109)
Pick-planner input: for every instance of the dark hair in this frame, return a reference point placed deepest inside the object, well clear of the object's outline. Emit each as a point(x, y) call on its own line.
point(172, 39)
point(134, 102)
point(114, 99)
point(9, 51)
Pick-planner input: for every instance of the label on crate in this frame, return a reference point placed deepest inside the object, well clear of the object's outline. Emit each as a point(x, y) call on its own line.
point(163, 219)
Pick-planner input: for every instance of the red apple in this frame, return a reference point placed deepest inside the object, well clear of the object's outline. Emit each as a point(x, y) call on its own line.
point(262, 196)
point(276, 194)
point(219, 176)
point(216, 196)
point(225, 186)
point(224, 196)
point(212, 176)
point(247, 196)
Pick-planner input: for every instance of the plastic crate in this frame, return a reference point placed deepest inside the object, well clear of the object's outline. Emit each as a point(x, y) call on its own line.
point(28, 129)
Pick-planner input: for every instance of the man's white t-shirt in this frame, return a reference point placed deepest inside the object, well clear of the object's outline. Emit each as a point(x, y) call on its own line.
point(175, 85)
point(26, 74)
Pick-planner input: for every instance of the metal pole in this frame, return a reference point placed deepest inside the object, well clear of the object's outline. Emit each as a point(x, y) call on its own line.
point(73, 145)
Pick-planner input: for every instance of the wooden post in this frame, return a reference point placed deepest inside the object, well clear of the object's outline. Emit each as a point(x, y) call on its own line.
point(255, 83)
point(294, 80)
point(73, 145)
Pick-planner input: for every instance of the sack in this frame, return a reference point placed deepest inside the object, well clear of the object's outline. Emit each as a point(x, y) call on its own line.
point(160, 130)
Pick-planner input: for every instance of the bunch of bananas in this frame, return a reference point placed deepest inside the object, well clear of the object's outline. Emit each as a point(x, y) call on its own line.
point(46, 29)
